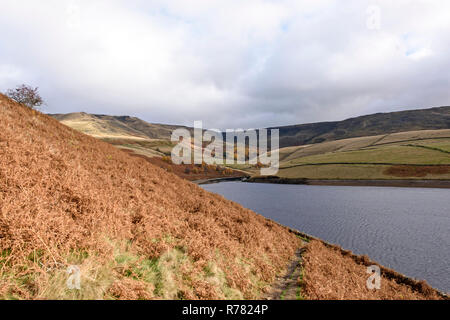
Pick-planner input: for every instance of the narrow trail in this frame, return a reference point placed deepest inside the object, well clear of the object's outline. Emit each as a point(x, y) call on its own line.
point(288, 286)
point(428, 148)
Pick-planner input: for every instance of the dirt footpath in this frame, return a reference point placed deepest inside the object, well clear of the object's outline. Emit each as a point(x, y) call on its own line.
point(320, 271)
point(289, 285)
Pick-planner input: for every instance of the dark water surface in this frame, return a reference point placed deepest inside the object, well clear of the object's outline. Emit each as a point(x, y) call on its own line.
point(407, 229)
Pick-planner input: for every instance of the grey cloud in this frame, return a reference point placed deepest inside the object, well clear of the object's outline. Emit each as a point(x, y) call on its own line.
point(229, 63)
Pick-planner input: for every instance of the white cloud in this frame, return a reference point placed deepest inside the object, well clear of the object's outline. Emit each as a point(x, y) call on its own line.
point(228, 63)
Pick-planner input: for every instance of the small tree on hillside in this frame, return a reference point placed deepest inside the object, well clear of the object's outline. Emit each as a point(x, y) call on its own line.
point(26, 95)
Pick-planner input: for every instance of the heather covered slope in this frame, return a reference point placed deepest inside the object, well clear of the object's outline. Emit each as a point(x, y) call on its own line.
point(134, 230)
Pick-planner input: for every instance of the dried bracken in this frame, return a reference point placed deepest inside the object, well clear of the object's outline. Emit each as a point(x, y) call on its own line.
point(416, 171)
point(335, 274)
point(192, 172)
point(135, 230)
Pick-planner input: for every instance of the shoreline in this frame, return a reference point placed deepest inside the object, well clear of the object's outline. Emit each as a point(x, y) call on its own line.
point(403, 183)
point(416, 284)
point(217, 180)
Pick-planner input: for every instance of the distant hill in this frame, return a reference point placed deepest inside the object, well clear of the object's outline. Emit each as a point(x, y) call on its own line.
point(104, 126)
point(369, 125)
point(422, 154)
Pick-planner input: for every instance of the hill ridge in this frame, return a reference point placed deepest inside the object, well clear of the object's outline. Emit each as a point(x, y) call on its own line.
point(301, 134)
point(366, 125)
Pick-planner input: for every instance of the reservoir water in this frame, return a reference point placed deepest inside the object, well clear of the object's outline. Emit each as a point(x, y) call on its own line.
point(406, 229)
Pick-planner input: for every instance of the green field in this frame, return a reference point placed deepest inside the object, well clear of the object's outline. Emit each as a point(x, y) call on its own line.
point(351, 172)
point(391, 154)
point(366, 157)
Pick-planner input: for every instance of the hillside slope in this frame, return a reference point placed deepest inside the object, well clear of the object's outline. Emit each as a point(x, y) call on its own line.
point(134, 230)
point(105, 126)
point(361, 143)
point(369, 125)
point(152, 140)
point(423, 154)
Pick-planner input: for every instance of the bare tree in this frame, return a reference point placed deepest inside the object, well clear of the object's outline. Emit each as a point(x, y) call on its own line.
point(26, 95)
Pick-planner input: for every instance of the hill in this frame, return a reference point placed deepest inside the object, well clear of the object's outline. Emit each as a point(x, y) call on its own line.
point(379, 155)
point(369, 125)
point(423, 154)
point(135, 230)
point(153, 140)
point(411, 155)
point(104, 126)
point(129, 133)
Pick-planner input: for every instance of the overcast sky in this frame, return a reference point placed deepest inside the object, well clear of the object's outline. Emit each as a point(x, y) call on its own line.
point(244, 63)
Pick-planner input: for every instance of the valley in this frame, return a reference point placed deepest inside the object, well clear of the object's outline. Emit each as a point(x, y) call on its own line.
point(418, 154)
point(135, 230)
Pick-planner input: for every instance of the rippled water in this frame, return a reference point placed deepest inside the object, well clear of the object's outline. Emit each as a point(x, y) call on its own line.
point(407, 229)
